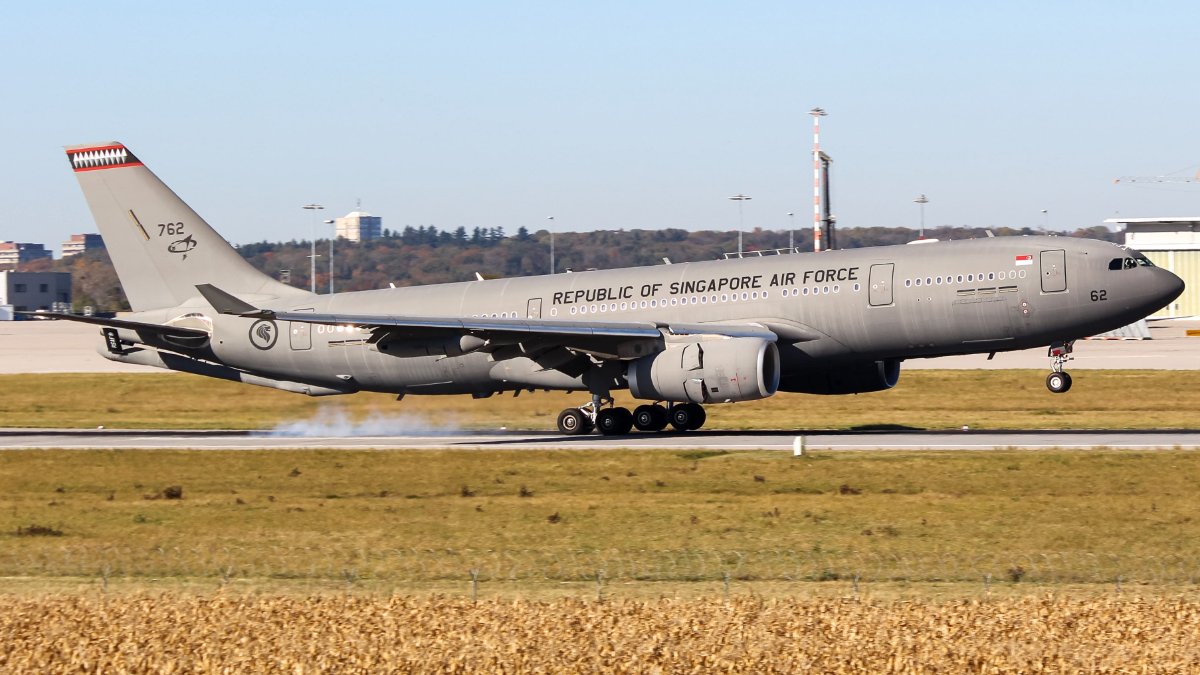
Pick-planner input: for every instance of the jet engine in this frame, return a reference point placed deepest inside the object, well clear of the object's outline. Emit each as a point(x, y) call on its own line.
point(709, 371)
point(853, 378)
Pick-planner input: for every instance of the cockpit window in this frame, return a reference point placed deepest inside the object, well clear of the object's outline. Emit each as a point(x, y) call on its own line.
point(1129, 263)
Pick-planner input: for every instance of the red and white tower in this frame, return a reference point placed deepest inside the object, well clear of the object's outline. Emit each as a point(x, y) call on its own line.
point(817, 114)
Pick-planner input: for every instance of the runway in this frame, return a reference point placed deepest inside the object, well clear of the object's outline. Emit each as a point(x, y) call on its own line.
point(701, 441)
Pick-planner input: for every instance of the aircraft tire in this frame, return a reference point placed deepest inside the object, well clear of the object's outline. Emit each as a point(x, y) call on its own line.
point(1059, 383)
point(650, 418)
point(614, 421)
point(573, 422)
point(687, 416)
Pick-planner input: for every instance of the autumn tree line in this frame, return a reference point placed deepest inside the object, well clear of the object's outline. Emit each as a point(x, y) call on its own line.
point(426, 255)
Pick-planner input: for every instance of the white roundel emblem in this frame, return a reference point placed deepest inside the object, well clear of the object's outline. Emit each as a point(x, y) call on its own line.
point(263, 334)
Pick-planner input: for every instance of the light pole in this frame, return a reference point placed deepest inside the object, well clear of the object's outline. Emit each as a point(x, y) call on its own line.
point(551, 228)
point(1045, 220)
point(922, 201)
point(313, 253)
point(331, 238)
point(792, 231)
point(739, 198)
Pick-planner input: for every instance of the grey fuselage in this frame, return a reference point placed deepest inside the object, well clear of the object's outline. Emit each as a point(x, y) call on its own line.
point(832, 311)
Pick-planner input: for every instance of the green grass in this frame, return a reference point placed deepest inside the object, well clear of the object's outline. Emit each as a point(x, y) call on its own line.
point(922, 400)
point(429, 517)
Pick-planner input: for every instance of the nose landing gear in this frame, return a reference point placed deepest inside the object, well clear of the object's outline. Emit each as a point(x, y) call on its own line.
point(1059, 381)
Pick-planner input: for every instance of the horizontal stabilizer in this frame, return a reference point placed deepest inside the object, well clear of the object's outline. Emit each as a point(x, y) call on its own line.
point(161, 335)
point(159, 329)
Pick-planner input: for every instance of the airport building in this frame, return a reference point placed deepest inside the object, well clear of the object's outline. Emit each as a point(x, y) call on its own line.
point(31, 291)
point(78, 243)
point(13, 253)
point(1173, 244)
point(358, 226)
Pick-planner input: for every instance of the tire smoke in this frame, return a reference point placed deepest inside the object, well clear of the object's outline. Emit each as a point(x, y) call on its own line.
point(335, 422)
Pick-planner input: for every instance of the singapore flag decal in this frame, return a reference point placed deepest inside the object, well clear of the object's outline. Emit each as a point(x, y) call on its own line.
point(1024, 260)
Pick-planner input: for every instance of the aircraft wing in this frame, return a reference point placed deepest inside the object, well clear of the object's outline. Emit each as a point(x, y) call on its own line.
point(604, 339)
point(546, 327)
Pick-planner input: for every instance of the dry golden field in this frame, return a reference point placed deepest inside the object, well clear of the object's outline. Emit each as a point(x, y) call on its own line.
point(348, 633)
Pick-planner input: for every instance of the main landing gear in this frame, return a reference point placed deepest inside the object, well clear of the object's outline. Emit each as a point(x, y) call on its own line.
point(615, 421)
point(1059, 381)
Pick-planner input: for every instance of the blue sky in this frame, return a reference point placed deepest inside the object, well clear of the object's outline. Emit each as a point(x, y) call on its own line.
point(605, 115)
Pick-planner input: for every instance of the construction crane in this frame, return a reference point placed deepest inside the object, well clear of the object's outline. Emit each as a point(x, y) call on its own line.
point(1159, 179)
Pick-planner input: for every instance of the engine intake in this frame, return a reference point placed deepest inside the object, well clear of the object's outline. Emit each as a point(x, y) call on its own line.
point(709, 371)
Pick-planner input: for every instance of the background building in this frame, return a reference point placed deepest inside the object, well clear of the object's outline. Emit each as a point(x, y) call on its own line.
point(358, 226)
point(31, 291)
point(80, 243)
point(12, 253)
point(1173, 244)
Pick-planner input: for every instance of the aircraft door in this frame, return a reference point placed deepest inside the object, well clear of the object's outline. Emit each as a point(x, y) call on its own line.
point(533, 309)
point(300, 333)
point(880, 293)
point(1054, 271)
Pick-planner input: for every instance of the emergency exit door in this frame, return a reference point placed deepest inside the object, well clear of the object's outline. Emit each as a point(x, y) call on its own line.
point(880, 292)
point(1054, 271)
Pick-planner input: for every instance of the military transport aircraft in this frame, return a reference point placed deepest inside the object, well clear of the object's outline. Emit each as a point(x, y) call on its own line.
point(677, 336)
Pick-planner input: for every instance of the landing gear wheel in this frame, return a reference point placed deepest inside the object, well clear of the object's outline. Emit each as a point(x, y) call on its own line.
point(1059, 383)
point(614, 421)
point(650, 418)
point(574, 422)
point(687, 417)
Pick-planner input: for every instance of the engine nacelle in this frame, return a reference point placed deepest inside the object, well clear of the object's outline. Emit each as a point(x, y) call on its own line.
point(853, 378)
point(709, 371)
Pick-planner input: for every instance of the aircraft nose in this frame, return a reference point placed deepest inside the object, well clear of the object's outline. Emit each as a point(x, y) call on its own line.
point(1170, 286)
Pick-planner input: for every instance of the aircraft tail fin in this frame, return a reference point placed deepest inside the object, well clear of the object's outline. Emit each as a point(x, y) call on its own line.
point(160, 247)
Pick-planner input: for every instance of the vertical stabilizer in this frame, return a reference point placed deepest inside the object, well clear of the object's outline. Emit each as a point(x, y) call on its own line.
point(161, 249)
